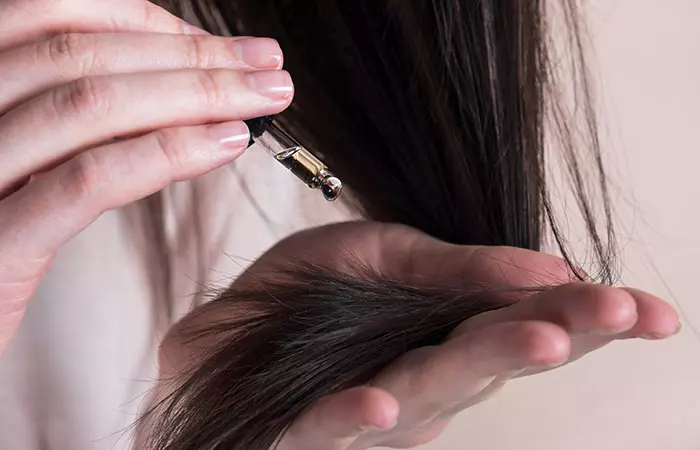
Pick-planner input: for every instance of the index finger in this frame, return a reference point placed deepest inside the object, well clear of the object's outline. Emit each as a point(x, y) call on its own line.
point(26, 21)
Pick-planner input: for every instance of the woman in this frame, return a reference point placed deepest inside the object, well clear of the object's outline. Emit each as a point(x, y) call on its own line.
point(140, 56)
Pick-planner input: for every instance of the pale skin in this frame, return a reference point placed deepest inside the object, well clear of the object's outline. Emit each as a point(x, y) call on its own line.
point(80, 73)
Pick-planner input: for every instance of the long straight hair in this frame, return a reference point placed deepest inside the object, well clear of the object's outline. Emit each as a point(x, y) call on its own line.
point(434, 113)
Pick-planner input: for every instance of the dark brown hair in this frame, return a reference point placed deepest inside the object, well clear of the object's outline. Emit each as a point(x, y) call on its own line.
point(433, 113)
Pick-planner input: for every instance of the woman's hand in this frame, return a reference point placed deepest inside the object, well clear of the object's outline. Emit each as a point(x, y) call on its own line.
point(103, 103)
point(412, 400)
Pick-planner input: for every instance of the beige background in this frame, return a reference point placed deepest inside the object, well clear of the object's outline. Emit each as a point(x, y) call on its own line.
point(633, 395)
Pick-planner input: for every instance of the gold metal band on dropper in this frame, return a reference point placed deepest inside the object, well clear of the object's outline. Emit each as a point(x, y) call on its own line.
point(295, 157)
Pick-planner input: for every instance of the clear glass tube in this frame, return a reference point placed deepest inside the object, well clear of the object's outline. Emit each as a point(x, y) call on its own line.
point(300, 161)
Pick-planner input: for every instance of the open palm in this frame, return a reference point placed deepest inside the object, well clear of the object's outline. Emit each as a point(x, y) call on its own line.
point(410, 402)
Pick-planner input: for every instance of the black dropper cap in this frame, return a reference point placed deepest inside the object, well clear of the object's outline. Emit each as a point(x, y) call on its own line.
point(257, 127)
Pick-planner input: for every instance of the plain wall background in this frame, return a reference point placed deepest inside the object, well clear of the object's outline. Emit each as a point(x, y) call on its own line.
point(632, 395)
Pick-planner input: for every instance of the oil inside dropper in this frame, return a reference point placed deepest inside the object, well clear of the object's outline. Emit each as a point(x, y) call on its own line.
point(295, 157)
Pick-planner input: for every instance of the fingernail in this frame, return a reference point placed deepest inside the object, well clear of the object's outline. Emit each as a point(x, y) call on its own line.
point(230, 135)
point(274, 84)
point(678, 329)
point(657, 336)
point(653, 336)
point(260, 53)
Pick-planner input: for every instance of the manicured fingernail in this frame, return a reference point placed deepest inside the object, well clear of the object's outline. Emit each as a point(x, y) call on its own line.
point(230, 135)
point(260, 53)
point(274, 84)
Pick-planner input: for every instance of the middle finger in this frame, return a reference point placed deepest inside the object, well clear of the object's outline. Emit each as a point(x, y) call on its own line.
point(38, 66)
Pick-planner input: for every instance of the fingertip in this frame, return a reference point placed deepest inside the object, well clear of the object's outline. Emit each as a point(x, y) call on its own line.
point(657, 318)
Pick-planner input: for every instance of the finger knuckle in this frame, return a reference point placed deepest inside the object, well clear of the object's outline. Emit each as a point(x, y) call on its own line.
point(195, 51)
point(211, 86)
point(151, 15)
point(169, 144)
point(81, 178)
point(72, 52)
point(87, 96)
